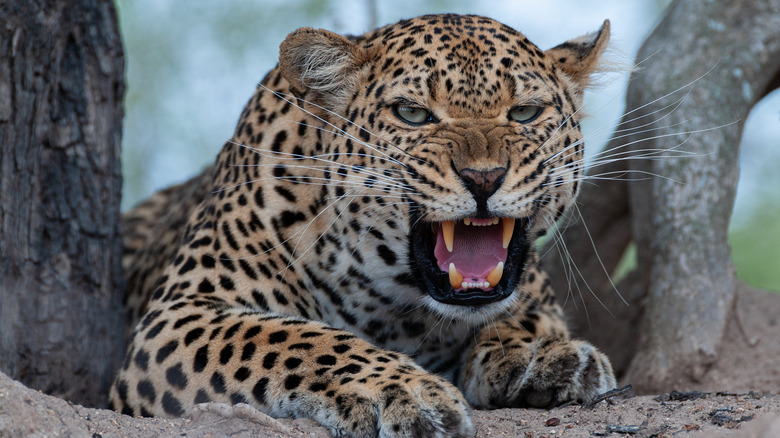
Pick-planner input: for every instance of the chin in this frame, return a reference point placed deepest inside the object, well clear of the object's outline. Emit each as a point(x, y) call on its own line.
point(471, 316)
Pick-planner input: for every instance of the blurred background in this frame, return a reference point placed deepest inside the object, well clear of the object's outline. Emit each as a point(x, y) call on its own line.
point(192, 65)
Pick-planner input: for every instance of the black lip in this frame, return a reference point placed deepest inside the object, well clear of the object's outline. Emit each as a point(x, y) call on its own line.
point(435, 282)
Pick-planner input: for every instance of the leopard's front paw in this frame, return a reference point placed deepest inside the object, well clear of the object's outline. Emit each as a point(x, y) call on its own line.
point(543, 374)
point(417, 404)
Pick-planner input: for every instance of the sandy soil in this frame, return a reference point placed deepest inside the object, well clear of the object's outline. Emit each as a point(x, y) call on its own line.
point(742, 401)
point(24, 412)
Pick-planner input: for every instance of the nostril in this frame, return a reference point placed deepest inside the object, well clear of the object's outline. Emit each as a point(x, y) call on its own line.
point(483, 183)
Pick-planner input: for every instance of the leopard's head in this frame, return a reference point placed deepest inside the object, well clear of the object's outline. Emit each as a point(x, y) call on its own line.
point(463, 128)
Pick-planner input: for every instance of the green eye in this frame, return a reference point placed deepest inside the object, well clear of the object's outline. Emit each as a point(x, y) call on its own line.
point(412, 114)
point(524, 114)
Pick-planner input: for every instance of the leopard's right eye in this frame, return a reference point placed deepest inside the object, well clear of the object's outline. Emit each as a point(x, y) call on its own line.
point(412, 115)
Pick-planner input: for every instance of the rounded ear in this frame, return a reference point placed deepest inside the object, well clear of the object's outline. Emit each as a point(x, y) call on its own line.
point(321, 66)
point(579, 57)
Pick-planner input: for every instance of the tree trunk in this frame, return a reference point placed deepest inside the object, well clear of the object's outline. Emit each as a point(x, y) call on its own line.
point(685, 281)
point(61, 87)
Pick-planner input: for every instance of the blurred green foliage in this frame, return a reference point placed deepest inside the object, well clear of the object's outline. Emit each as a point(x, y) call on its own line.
point(174, 50)
point(755, 247)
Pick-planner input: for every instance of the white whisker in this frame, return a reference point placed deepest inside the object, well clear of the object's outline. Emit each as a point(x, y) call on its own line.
point(297, 157)
point(287, 97)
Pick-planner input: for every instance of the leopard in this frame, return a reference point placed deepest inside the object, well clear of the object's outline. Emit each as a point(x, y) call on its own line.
point(363, 251)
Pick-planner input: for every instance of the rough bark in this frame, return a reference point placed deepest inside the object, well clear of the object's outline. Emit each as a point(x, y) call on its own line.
point(61, 87)
point(685, 281)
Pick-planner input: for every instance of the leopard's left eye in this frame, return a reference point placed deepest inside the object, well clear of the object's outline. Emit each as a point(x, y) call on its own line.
point(524, 113)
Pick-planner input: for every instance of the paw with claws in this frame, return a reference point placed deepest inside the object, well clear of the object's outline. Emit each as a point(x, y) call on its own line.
point(544, 373)
point(417, 405)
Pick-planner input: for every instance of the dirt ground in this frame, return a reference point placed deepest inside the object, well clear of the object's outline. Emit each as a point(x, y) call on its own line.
point(739, 397)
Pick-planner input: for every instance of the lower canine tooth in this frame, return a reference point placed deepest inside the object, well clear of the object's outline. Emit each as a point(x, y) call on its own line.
point(495, 275)
point(456, 280)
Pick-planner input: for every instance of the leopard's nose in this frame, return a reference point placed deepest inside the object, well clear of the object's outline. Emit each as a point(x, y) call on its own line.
point(483, 183)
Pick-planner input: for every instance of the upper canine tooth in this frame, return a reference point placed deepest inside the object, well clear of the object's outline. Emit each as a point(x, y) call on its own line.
point(456, 280)
point(509, 227)
point(494, 276)
point(448, 232)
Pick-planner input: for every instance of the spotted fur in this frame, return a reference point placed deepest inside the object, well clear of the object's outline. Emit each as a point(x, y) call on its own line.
point(295, 274)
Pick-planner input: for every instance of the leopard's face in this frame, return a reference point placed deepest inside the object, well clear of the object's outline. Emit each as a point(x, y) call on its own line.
point(459, 141)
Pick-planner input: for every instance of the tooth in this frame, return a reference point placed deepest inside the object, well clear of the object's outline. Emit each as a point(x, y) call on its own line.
point(509, 227)
point(448, 231)
point(495, 275)
point(467, 221)
point(456, 280)
point(495, 221)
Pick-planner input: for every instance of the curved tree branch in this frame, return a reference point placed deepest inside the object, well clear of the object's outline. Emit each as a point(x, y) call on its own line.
point(730, 52)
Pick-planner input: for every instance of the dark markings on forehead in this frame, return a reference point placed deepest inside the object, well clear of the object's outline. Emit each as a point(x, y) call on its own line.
point(476, 61)
point(445, 28)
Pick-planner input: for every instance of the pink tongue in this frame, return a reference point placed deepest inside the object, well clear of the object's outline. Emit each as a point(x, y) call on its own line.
point(475, 250)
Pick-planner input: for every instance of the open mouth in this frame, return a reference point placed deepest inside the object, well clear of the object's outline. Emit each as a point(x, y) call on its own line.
point(469, 261)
